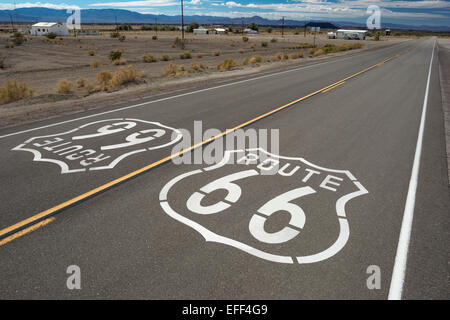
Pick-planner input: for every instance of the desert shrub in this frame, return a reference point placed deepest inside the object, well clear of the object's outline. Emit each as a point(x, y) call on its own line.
point(357, 45)
point(186, 55)
point(304, 45)
point(115, 55)
point(245, 61)
point(284, 57)
point(146, 27)
point(197, 67)
point(170, 70)
point(294, 56)
point(276, 57)
point(115, 34)
point(264, 44)
point(216, 53)
point(245, 39)
point(319, 52)
point(51, 35)
point(125, 75)
point(64, 86)
point(94, 64)
point(227, 65)
point(17, 38)
point(269, 29)
point(103, 77)
point(177, 42)
point(2, 62)
point(165, 57)
point(81, 82)
point(329, 48)
point(148, 58)
point(122, 38)
point(125, 27)
point(13, 91)
point(155, 38)
point(91, 53)
point(311, 51)
point(273, 40)
point(118, 62)
point(377, 36)
point(255, 59)
point(241, 51)
point(199, 55)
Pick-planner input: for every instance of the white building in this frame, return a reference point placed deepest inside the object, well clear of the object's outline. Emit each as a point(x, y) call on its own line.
point(44, 28)
point(331, 35)
point(351, 34)
point(220, 31)
point(201, 30)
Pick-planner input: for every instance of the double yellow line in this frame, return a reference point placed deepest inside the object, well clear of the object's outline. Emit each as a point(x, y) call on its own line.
point(38, 220)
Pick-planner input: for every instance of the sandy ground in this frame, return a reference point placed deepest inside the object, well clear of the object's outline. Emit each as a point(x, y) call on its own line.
point(41, 63)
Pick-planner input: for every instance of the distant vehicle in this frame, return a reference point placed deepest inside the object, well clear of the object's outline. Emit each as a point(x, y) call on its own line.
point(250, 31)
point(331, 35)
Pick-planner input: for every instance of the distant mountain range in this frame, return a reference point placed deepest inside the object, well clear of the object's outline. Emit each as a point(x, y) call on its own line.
point(109, 16)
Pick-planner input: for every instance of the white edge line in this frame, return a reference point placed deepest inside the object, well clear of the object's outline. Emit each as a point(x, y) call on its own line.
point(398, 274)
point(179, 95)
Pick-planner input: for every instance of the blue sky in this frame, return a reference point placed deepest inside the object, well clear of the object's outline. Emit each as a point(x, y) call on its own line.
point(413, 12)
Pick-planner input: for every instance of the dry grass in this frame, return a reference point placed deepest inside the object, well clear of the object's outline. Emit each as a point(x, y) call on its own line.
point(165, 57)
point(319, 52)
point(103, 78)
point(186, 55)
point(119, 62)
point(173, 70)
point(227, 65)
point(91, 53)
point(216, 53)
point(81, 82)
point(241, 51)
point(125, 75)
point(64, 86)
point(13, 91)
point(94, 64)
point(170, 70)
point(148, 58)
point(255, 59)
point(295, 56)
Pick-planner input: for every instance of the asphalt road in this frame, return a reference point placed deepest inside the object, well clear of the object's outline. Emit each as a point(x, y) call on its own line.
point(308, 231)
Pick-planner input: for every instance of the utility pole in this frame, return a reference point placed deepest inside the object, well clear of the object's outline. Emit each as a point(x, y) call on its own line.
point(282, 29)
point(156, 26)
point(12, 23)
point(182, 26)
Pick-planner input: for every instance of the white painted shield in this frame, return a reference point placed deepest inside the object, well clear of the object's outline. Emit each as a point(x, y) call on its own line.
point(232, 204)
point(101, 144)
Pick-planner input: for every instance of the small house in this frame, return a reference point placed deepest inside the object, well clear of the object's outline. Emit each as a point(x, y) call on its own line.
point(44, 28)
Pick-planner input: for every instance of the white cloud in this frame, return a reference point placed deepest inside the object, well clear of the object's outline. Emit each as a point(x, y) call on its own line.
point(10, 6)
point(143, 3)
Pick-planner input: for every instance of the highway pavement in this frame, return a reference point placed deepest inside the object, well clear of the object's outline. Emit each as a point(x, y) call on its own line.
point(356, 189)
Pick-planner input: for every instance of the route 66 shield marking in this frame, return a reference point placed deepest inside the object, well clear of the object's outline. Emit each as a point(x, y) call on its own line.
point(101, 144)
point(236, 204)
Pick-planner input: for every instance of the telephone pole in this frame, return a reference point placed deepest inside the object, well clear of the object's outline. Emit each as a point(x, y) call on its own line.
point(182, 25)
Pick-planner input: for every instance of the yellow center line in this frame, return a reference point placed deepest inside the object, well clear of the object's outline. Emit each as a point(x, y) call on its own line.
point(32, 223)
point(333, 87)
